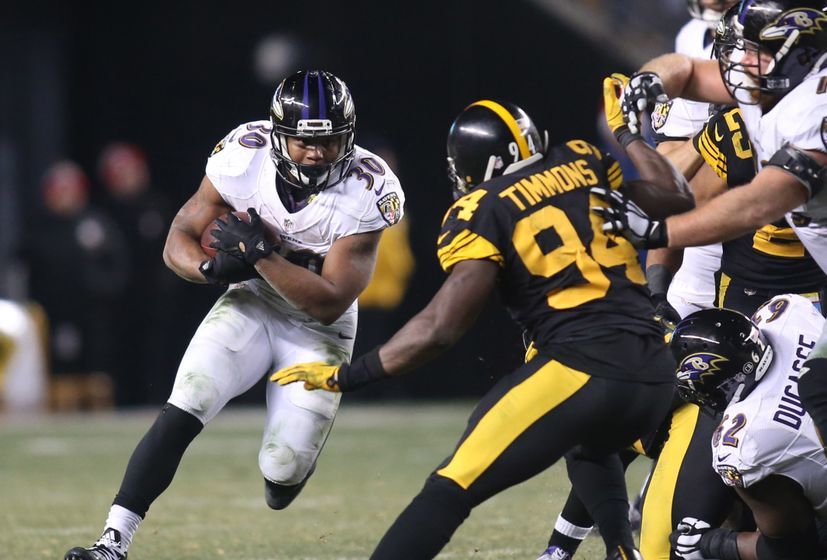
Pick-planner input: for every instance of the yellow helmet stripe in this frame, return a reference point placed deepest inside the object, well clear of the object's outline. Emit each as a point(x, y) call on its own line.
point(510, 122)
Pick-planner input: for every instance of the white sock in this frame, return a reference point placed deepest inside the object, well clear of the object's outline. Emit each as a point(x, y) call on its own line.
point(125, 522)
point(571, 530)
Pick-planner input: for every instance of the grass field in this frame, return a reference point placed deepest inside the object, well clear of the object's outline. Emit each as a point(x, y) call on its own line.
point(58, 475)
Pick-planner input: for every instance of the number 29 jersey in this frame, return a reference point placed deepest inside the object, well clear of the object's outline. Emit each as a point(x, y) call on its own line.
point(562, 279)
point(769, 432)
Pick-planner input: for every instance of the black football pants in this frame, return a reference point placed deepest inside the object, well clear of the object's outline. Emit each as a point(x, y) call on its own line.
point(523, 425)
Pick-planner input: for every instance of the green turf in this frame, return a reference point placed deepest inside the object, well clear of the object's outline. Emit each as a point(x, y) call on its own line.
point(58, 475)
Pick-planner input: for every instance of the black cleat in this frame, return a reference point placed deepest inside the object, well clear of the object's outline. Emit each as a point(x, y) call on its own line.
point(108, 547)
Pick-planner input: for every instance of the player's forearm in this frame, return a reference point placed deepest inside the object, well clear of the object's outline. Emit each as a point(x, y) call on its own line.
point(683, 156)
point(690, 78)
point(656, 169)
point(183, 255)
point(674, 70)
point(726, 217)
point(417, 343)
point(669, 258)
point(303, 289)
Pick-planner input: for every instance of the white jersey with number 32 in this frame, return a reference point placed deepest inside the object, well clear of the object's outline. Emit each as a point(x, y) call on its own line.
point(769, 432)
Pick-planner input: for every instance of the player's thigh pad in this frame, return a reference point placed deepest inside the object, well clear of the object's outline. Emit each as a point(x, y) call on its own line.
point(299, 421)
point(228, 354)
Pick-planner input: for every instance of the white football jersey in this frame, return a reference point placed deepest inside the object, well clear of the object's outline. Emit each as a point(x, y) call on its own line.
point(799, 118)
point(681, 118)
point(368, 199)
point(693, 287)
point(769, 432)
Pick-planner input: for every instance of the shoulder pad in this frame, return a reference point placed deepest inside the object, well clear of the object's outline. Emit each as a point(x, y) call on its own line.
point(233, 154)
point(808, 171)
point(584, 148)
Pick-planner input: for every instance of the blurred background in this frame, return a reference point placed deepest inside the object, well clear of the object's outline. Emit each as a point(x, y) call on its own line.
point(108, 112)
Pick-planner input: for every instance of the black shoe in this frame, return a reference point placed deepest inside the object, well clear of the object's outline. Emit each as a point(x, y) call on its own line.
point(108, 547)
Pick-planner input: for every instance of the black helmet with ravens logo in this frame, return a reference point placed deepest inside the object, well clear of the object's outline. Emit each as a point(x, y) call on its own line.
point(312, 104)
point(770, 46)
point(721, 355)
point(486, 139)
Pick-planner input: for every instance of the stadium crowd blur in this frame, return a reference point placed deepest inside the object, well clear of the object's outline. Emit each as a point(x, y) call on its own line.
point(98, 146)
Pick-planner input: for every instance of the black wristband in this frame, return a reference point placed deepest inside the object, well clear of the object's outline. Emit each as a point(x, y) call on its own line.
point(625, 136)
point(720, 543)
point(659, 237)
point(658, 277)
point(362, 371)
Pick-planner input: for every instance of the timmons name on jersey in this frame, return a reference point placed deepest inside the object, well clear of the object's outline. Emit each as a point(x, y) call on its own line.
point(550, 182)
point(790, 411)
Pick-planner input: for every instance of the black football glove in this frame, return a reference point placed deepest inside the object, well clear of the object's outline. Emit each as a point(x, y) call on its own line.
point(659, 277)
point(665, 314)
point(245, 240)
point(624, 216)
point(641, 93)
point(224, 269)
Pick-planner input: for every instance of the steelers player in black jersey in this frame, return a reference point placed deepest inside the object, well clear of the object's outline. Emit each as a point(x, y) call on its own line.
point(602, 375)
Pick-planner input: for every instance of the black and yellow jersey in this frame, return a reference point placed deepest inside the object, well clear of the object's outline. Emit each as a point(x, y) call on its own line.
point(772, 258)
point(562, 279)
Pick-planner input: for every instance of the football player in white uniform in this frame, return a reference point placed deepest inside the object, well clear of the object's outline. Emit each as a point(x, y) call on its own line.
point(772, 61)
point(766, 446)
point(325, 201)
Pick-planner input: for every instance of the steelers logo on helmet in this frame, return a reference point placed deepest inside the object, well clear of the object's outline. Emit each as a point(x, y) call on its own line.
point(488, 139)
point(312, 104)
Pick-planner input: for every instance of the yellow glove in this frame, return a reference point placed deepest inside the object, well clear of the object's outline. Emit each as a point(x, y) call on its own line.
point(316, 375)
point(612, 88)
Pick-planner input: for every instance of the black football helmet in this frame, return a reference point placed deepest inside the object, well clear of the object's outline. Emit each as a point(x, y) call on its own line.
point(721, 355)
point(485, 139)
point(790, 34)
point(710, 13)
point(309, 104)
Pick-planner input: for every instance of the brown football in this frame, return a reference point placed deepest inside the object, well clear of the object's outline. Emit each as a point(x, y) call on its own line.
point(207, 237)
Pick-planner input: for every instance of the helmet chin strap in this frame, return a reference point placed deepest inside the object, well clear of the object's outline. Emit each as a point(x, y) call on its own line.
point(517, 165)
point(489, 169)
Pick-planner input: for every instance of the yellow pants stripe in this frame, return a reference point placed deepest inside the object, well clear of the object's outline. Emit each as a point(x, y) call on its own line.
point(657, 509)
point(723, 286)
point(513, 414)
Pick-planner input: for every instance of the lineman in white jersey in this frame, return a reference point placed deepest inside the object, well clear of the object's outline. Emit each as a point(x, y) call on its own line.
point(772, 61)
point(766, 446)
point(317, 205)
point(674, 123)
